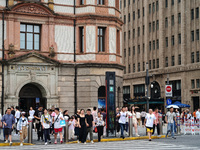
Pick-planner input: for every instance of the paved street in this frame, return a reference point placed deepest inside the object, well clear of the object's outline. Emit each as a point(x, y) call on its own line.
point(141, 131)
point(181, 143)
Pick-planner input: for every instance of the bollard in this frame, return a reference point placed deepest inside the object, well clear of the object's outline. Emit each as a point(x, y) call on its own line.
point(178, 124)
point(66, 130)
point(30, 135)
point(130, 126)
point(160, 123)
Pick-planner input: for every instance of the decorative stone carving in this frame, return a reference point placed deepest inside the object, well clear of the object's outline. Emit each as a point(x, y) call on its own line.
point(33, 76)
point(33, 8)
point(11, 52)
point(51, 51)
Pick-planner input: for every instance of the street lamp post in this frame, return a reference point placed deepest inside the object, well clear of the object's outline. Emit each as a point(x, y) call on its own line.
point(147, 85)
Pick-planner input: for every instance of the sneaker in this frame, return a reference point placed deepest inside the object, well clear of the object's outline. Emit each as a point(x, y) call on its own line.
point(10, 144)
point(61, 142)
point(137, 135)
point(45, 143)
point(84, 143)
point(6, 141)
point(49, 141)
point(173, 138)
point(78, 141)
point(92, 142)
point(126, 133)
point(55, 142)
point(21, 144)
point(149, 139)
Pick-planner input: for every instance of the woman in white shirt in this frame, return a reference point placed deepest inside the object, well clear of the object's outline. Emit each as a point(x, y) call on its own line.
point(31, 112)
point(100, 124)
point(134, 120)
point(45, 122)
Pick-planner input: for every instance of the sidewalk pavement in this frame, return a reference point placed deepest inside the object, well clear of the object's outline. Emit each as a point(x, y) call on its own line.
point(141, 132)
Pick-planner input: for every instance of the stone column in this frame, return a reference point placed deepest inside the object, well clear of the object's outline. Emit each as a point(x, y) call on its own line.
point(51, 4)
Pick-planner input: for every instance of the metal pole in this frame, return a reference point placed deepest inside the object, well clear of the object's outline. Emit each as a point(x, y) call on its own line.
point(66, 130)
point(75, 67)
point(2, 86)
point(178, 124)
point(130, 126)
point(147, 85)
point(30, 135)
point(160, 124)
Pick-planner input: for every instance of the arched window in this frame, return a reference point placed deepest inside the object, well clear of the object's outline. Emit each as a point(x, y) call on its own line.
point(102, 92)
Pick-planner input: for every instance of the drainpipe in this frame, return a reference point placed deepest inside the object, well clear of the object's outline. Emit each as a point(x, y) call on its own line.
point(2, 86)
point(75, 67)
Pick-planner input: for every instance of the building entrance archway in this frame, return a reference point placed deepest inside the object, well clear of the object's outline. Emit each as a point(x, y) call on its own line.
point(32, 95)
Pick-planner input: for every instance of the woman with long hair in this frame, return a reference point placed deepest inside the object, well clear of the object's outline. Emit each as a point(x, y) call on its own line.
point(82, 127)
point(134, 120)
point(99, 124)
point(46, 122)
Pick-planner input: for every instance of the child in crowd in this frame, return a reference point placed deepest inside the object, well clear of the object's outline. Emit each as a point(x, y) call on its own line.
point(71, 128)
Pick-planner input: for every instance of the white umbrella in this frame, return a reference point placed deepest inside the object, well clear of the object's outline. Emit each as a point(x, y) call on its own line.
point(174, 106)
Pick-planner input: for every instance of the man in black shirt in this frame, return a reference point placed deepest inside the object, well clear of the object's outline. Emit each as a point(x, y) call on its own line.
point(13, 110)
point(90, 124)
point(38, 113)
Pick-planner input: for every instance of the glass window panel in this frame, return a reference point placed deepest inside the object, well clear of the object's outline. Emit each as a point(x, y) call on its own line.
point(36, 41)
point(23, 28)
point(29, 28)
point(36, 38)
point(22, 40)
point(101, 43)
point(29, 39)
point(36, 29)
point(36, 45)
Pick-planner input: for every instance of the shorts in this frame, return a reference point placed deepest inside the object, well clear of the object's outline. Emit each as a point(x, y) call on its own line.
point(7, 131)
point(58, 130)
point(150, 129)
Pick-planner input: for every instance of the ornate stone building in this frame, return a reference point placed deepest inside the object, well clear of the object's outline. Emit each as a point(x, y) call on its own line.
point(164, 33)
point(58, 51)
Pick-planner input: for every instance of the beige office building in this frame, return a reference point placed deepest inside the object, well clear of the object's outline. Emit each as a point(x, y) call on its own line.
point(164, 33)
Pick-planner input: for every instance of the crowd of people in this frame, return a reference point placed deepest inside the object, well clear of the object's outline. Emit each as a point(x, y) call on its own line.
point(48, 122)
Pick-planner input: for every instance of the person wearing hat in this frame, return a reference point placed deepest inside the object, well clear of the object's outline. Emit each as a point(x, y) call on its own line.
point(22, 127)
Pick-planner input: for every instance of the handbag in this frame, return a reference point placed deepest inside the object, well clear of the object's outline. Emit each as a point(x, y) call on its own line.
point(62, 123)
point(95, 129)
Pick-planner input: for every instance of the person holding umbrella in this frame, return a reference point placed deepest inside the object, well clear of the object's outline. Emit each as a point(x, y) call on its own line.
point(170, 118)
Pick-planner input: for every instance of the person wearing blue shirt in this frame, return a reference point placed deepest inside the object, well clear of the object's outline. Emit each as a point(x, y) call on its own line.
point(8, 120)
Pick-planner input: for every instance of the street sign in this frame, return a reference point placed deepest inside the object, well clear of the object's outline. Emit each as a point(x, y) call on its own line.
point(169, 101)
point(168, 90)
